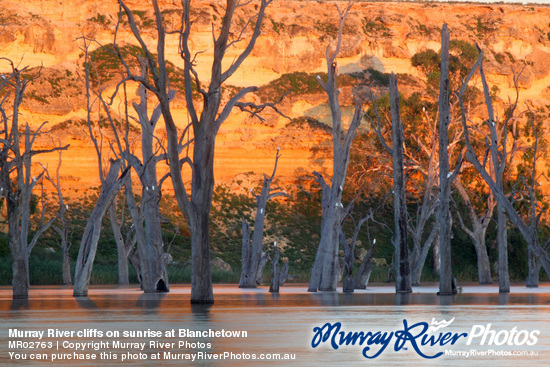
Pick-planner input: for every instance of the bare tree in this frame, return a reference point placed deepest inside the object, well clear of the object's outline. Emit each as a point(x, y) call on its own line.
point(252, 256)
point(401, 253)
point(196, 204)
point(122, 248)
point(361, 279)
point(424, 215)
point(497, 147)
point(535, 209)
point(62, 229)
point(16, 176)
point(153, 276)
point(446, 278)
point(111, 183)
point(477, 232)
point(324, 274)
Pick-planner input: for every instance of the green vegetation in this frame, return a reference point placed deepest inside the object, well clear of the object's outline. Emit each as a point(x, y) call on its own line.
point(32, 95)
point(424, 30)
point(500, 58)
point(371, 76)
point(300, 83)
point(57, 89)
point(277, 27)
point(100, 19)
point(106, 65)
point(484, 28)
point(142, 18)
point(462, 57)
point(8, 17)
point(326, 29)
point(303, 122)
point(297, 83)
point(375, 26)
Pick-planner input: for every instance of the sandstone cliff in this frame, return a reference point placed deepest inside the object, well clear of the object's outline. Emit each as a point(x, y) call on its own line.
point(382, 36)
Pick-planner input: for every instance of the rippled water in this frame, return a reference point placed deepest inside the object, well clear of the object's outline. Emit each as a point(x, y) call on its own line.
point(276, 323)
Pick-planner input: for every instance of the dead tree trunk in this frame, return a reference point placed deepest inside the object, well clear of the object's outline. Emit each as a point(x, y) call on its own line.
point(477, 231)
point(401, 252)
point(349, 249)
point(252, 253)
point(283, 276)
point(275, 277)
point(123, 277)
point(196, 205)
point(324, 274)
point(62, 230)
point(499, 154)
point(402, 265)
point(425, 211)
point(152, 262)
point(365, 269)
point(534, 266)
point(418, 264)
point(88, 246)
point(16, 179)
point(446, 276)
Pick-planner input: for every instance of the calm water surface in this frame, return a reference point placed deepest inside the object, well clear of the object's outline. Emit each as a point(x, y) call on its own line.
point(276, 323)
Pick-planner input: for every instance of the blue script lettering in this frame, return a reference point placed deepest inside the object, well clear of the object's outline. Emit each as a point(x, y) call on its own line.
point(414, 334)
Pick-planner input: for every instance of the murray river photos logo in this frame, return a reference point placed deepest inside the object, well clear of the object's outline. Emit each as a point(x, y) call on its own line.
point(420, 337)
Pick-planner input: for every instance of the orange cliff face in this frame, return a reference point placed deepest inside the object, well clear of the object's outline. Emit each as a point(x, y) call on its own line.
point(381, 36)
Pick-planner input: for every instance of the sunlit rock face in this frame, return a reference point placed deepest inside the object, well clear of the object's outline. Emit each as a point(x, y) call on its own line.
point(380, 36)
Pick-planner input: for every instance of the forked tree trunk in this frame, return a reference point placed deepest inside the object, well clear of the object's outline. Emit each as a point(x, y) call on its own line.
point(324, 274)
point(365, 269)
point(16, 185)
point(90, 237)
point(477, 231)
point(251, 273)
point(196, 205)
point(152, 262)
point(423, 254)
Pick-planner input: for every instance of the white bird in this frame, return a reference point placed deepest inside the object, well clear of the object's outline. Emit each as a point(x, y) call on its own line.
point(341, 189)
point(67, 206)
point(146, 188)
point(374, 241)
point(33, 178)
point(424, 109)
point(492, 123)
point(261, 211)
point(284, 191)
point(251, 189)
point(341, 206)
point(3, 77)
point(449, 174)
point(275, 243)
point(278, 148)
point(153, 188)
